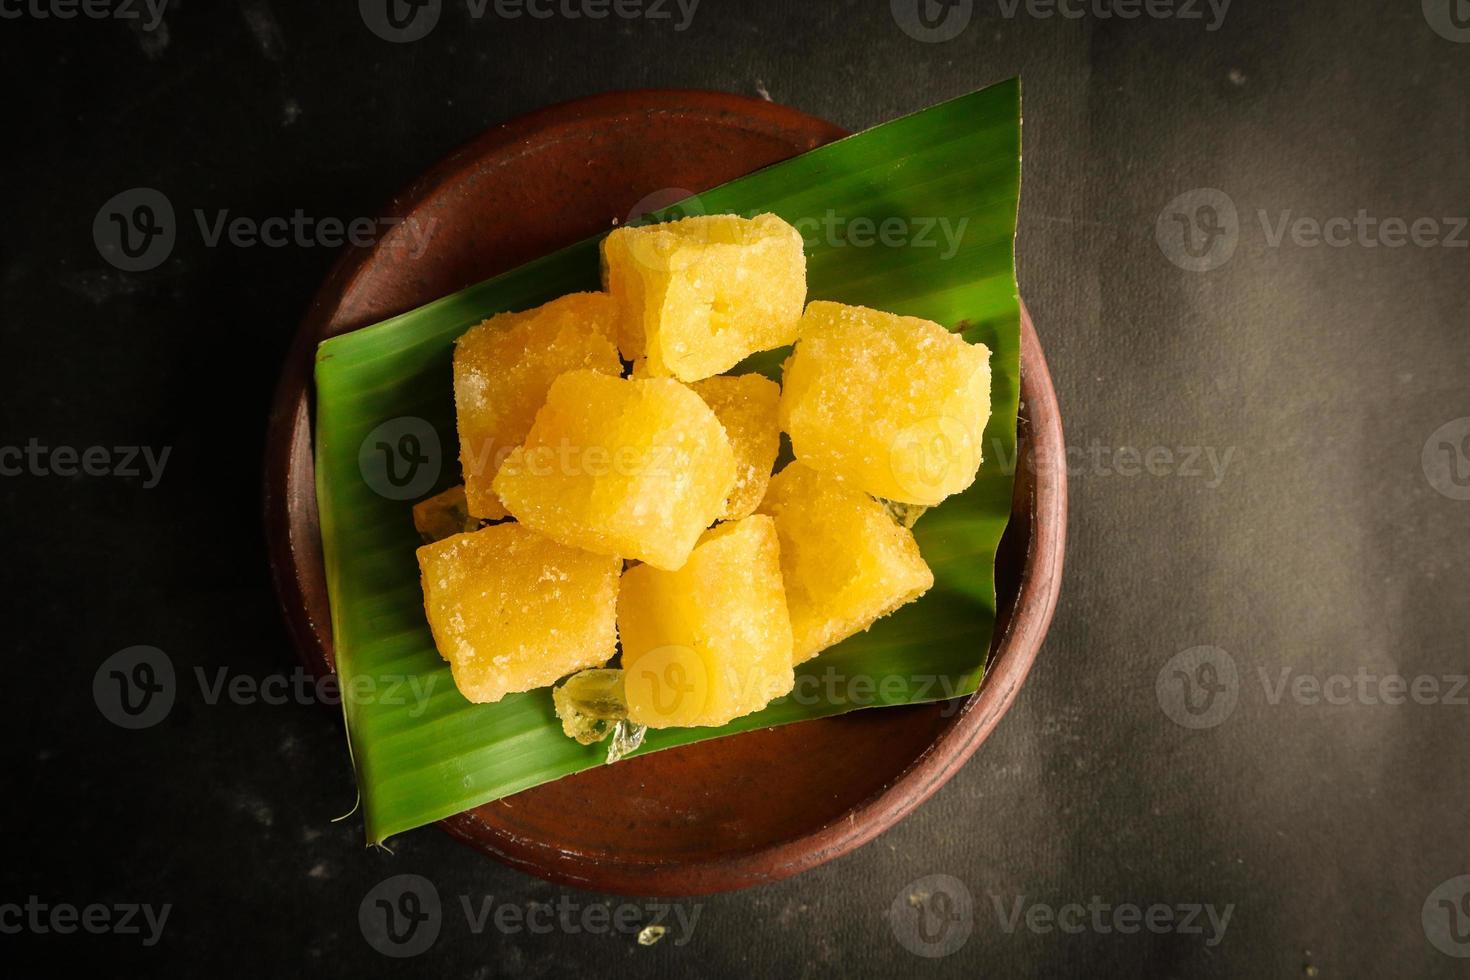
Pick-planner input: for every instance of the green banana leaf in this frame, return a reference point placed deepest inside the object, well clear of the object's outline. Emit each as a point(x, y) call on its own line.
point(945, 183)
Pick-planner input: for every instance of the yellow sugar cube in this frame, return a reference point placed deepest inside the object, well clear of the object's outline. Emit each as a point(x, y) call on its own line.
point(634, 468)
point(894, 405)
point(442, 515)
point(502, 370)
point(711, 641)
point(513, 611)
point(701, 294)
point(746, 406)
point(844, 561)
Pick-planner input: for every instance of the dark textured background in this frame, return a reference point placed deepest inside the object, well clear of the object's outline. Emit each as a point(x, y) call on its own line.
point(1326, 547)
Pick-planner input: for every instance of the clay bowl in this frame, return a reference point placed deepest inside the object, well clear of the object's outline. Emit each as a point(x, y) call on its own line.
point(722, 814)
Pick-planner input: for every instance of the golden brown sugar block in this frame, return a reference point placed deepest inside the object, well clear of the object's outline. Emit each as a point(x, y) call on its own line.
point(503, 369)
point(746, 406)
point(633, 468)
point(844, 562)
point(712, 641)
point(893, 405)
point(512, 610)
point(699, 295)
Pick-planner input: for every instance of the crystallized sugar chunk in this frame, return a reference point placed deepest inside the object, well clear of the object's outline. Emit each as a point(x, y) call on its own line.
point(700, 295)
point(845, 563)
point(634, 468)
point(502, 370)
point(711, 641)
point(894, 405)
point(746, 406)
point(513, 611)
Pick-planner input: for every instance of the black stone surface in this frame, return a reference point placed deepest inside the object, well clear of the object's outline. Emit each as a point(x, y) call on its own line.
point(1329, 541)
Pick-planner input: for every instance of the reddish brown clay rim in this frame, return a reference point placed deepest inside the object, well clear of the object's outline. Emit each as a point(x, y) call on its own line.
point(1040, 507)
